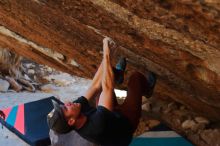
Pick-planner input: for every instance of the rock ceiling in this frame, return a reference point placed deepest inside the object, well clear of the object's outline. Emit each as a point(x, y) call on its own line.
point(178, 40)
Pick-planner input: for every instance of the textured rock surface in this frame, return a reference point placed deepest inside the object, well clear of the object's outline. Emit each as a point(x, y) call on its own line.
point(4, 85)
point(184, 121)
point(178, 40)
point(210, 137)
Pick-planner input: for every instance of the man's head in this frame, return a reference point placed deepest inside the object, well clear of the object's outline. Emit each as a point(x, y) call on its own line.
point(63, 117)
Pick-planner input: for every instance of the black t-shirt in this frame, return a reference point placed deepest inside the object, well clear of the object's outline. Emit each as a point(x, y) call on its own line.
point(103, 126)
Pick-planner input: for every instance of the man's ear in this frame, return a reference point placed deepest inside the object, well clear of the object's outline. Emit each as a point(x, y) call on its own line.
point(71, 121)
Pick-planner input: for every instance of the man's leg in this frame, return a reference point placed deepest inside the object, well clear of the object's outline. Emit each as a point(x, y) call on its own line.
point(131, 108)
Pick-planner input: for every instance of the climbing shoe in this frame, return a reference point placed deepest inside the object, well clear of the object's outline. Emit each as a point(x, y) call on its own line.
point(151, 82)
point(119, 70)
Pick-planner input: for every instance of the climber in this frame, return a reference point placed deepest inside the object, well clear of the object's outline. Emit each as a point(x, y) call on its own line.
point(109, 123)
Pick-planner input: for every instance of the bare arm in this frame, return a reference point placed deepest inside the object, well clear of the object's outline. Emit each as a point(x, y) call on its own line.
point(106, 97)
point(95, 88)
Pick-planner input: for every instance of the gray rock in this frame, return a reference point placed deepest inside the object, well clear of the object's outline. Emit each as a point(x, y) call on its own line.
point(30, 65)
point(211, 137)
point(198, 127)
point(14, 84)
point(153, 123)
point(26, 77)
point(49, 88)
point(31, 71)
point(49, 69)
point(202, 120)
point(4, 85)
point(188, 124)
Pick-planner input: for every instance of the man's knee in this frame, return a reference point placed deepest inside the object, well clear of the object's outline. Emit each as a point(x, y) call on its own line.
point(137, 76)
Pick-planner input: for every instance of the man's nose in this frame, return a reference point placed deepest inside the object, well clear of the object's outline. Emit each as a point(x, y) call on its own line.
point(68, 104)
point(76, 104)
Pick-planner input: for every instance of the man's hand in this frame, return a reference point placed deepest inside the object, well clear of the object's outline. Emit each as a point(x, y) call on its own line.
point(108, 46)
point(108, 41)
point(2, 115)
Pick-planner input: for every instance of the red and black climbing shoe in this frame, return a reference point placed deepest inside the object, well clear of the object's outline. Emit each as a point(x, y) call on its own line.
point(151, 82)
point(120, 70)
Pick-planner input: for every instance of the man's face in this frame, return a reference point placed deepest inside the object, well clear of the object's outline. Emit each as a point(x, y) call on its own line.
point(71, 110)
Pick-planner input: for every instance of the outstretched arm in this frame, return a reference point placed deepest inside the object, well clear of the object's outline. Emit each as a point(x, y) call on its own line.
point(95, 88)
point(106, 97)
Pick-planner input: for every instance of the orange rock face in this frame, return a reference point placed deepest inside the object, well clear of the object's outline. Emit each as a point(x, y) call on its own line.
point(178, 40)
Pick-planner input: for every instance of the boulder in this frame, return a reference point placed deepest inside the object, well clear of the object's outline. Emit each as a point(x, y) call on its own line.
point(153, 123)
point(211, 137)
point(48, 88)
point(202, 120)
point(178, 40)
point(189, 124)
point(4, 85)
point(14, 84)
point(31, 71)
